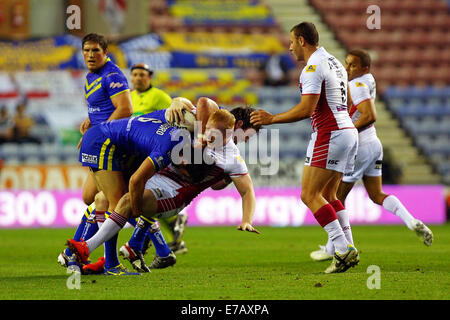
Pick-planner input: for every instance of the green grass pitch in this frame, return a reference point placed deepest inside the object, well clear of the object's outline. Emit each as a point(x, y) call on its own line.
point(226, 264)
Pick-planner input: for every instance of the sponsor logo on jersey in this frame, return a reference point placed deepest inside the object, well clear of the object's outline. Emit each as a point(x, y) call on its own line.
point(378, 164)
point(360, 84)
point(307, 160)
point(239, 158)
point(160, 162)
point(158, 192)
point(333, 162)
point(92, 110)
point(311, 68)
point(88, 158)
point(116, 85)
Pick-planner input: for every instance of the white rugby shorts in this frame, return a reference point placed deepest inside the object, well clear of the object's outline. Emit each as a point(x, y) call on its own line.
point(166, 195)
point(335, 150)
point(368, 161)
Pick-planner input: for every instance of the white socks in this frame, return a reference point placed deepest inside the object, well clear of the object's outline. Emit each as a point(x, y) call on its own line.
point(337, 236)
point(392, 204)
point(109, 228)
point(344, 221)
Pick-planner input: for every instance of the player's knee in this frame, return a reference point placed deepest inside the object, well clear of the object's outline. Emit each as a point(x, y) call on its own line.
point(377, 197)
point(307, 197)
point(101, 203)
point(88, 197)
point(124, 206)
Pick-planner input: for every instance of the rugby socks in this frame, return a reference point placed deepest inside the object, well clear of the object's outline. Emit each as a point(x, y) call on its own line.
point(151, 228)
point(90, 227)
point(108, 234)
point(85, 224)
point(327, 218)
point(100, 218)
point(136, 241)
point(344, 219)
point(157, 238)
point(393, 204)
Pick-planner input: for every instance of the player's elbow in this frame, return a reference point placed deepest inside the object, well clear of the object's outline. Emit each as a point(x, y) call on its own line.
point(128, 111)
point(134, 183)
point(206, 105)
point(202, 102)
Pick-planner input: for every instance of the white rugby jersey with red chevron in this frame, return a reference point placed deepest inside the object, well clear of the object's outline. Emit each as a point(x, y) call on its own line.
point(325, 75)
point(362, 89)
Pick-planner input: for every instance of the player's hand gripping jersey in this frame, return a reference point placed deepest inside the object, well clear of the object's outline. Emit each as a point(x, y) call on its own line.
point(100, 87)
point(149, 136)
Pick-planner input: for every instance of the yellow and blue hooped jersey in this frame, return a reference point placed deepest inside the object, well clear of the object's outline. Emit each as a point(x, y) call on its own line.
point(100, 87)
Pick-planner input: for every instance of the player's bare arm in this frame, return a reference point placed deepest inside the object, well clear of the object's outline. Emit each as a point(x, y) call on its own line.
point(123, 104)
point(205, 108)
point(85, 125)
point(303, 110)
point(244, 185)
point(174, 113)
point(137, 185)
point(368, 114)
point(222, 184)
point(349, 98)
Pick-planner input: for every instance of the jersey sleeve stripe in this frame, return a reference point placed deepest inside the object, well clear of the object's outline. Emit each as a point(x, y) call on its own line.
point(237, 174)
point(152, 162)
point(119, 93)
point(356, 105)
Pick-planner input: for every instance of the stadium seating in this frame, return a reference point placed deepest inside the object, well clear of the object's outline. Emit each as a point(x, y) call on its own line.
point(412, 45)
point(411, 59)
point(411, 56)
point(425, 114)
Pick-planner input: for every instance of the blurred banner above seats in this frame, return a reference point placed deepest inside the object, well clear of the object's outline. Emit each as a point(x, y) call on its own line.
point(172, 50)
point(206, 12)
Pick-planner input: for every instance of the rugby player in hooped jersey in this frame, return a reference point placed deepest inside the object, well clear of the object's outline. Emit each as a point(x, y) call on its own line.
point(368, 164)
point(168, 192)
point(333, 145)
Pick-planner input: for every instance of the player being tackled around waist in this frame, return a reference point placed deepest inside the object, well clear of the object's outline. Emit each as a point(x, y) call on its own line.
point(170, 190)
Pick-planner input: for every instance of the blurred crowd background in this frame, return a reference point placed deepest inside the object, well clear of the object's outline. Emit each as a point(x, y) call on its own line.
point(235, 52)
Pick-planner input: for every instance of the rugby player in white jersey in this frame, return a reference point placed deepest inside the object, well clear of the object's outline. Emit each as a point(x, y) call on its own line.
point(368, 164)
point(334, 142)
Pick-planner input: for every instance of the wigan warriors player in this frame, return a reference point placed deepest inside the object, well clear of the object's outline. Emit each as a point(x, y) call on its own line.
point(333, 145)
point(368, 164)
